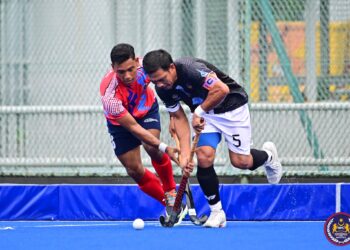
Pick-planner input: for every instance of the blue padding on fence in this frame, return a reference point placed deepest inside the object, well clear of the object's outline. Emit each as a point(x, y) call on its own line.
point(345, 198)
point(27, 202)
point(126, 202)
point(279, 202)
point(106, 202)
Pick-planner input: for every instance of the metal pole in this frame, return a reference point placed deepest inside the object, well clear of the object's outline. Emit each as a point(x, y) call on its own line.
point(200, 29)
point(247, 28)
point(323, 92)
point(233, 39)
point(310, 34)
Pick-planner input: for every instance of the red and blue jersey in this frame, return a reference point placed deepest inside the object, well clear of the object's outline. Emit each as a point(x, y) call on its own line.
point(118, 98)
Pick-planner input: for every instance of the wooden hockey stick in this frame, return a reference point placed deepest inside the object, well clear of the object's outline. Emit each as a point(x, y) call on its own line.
point(189, 197)
point(181, 190)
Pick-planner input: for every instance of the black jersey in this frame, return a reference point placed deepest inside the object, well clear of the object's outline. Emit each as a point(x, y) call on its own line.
point(191, 86)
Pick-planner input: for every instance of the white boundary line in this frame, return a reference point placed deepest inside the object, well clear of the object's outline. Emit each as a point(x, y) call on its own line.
point(338, 197)
point(121, 224)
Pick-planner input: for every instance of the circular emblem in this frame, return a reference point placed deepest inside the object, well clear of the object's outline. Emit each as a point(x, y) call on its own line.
point(337, 229)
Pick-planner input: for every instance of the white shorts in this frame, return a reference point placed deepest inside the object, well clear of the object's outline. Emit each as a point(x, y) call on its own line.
point(234, 126)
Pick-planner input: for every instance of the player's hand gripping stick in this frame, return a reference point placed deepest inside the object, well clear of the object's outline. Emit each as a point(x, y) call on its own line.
point(181, 190)
point(189, 197)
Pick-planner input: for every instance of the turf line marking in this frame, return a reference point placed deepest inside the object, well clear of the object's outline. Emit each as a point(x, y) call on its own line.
point(338, 197)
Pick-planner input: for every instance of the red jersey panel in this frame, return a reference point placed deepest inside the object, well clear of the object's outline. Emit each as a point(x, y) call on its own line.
point(118, 99)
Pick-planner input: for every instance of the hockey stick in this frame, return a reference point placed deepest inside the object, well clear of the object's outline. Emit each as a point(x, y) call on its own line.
point(181, 190)
point(191, 208)
point(189, 197)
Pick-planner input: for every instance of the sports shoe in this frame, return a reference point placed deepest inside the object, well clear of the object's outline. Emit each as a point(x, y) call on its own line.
point(169, 201)
point(217, 218)
point(273, 167)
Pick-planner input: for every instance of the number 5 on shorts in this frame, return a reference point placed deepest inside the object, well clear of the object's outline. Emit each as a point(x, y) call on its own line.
point(238, 141)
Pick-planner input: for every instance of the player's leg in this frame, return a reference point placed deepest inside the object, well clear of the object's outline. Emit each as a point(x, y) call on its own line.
point(241, 156)
point(237, 135)
point(266, 157)
point(127, 149)
point(147, 181)
point(207, 178)
point(162, 164)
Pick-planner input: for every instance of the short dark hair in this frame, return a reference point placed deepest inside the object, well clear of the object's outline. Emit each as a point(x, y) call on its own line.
point(156, 59)
point(122, 52)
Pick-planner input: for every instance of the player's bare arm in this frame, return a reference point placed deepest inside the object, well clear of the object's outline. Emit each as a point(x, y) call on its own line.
point(172, 129)
point(183, 132)
point(217, 93)
point(128, 122)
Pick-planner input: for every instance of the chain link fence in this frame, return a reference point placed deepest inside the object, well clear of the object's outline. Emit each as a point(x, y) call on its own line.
point(293, 55)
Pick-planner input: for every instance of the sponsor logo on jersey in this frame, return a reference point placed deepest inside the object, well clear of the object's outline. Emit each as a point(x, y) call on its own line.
point(150, 120)
point(203, 73)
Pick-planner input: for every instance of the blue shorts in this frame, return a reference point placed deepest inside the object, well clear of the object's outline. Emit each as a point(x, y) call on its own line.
point(209, 139)
point(123, 141)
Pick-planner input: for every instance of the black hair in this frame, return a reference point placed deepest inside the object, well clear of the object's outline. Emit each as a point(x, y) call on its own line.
point(122, 52)
point(156, 59)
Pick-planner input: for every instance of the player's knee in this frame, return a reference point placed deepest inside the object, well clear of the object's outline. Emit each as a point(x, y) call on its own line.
point(241, 162)
point(136, 173)
point(155, 155)
point(153, 152)
point(205, 157)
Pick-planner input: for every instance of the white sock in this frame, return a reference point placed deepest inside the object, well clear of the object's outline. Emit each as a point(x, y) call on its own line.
point(216, 207)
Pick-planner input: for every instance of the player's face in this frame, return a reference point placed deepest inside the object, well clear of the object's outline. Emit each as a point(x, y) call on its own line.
point(164, 79)
point(127, 70)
